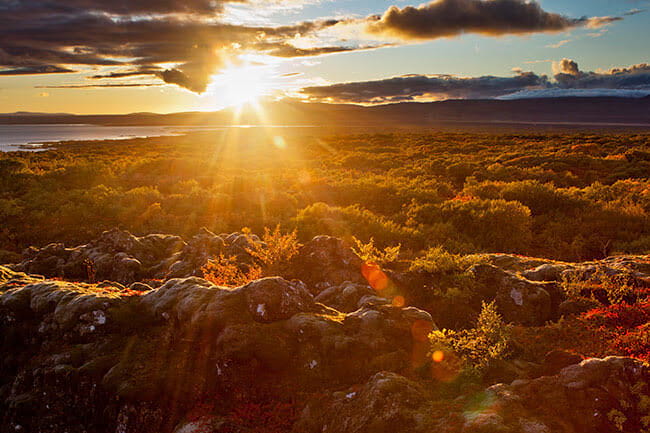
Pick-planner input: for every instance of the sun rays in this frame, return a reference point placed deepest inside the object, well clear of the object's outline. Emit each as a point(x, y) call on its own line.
point(243, 84)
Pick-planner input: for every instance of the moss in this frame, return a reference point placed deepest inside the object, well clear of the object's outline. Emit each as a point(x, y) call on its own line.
point(617, 418)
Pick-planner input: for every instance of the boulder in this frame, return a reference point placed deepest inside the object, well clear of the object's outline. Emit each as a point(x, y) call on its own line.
point(522, 302)
point(556, 360)
point(519, 300)
point(597, 395)
point(273, 299)
point(573, 307)
point(546, 272)
point(513, 262)
point(205, 246)
point(326, 261)
point(347, 297)
point(386, 403)
point(195, 254)
point(489, 278)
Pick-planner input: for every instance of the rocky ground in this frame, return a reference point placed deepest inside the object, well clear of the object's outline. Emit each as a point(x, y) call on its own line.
point(122, 335)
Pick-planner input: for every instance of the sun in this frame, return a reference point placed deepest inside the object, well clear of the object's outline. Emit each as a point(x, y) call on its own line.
point(242, 84)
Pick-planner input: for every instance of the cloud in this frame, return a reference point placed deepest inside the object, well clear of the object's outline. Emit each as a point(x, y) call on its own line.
point(288, 50)
point(412, 87)
point(566, 67)
point(119, 7)
point(445, 18)
point(559, 44)
point(180, 42)
point(569, 76)
point(187, 42)
point(99, 86)
point(37, 69)
point(598, 22)
point(582, 93)
point(568, 80)
point(127, 73)
point(634, 11)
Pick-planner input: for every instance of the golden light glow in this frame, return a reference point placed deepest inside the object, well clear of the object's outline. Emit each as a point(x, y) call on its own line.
point(279, 142)
point(243, 84)
point(438, 356)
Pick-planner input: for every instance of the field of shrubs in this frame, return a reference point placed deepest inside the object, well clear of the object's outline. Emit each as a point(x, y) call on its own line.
point(569, 196)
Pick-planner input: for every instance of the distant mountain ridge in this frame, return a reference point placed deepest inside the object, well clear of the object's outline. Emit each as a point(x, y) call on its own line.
point(587, 110)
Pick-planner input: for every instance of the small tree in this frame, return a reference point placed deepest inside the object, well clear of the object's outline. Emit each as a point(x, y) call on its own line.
point(369, 253)
point(488, 341)
point(225, 271)
point(276, 251)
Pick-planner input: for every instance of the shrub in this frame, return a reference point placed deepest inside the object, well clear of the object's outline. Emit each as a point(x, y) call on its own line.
point(616, 288)
point(635, 342)
point(369, 253)
point(437, 260)
point(495, 225)
point(225, 271)
point(624, 316)
point(320, 218)
point(276, 251)
point(477, 347)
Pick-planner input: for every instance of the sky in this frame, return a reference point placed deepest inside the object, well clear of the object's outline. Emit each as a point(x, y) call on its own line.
point(124, 56)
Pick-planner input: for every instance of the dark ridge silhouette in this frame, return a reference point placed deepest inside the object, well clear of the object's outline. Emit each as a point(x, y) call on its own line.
point(597, 111)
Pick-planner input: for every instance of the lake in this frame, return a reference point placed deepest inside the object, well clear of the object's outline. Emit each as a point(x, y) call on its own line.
point(31, 137)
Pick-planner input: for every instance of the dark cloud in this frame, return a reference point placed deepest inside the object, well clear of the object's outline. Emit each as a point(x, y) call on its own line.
point(185, 42)
point(99, 86)
point(444, 18)
point(126, 74)
point(411, 87)
point(569, 76)
point(555, 92)
point(31, 70)
point(288, 50)
point(142, 37)
point(118, 7)
point(568, 80)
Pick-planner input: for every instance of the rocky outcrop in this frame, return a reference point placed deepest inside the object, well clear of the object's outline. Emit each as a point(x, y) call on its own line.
point(325, 261)
point(597, 395)
point(323, 352)
point(207, 245)
point(546, 272)
point(386, 403)
point(513, 262)
point(119, 256)
point(519, 300)
point(116, 255)
point(89, 358)
point(349, 297)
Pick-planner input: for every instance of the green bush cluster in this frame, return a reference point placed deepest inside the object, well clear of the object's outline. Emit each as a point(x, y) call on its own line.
point(564, 196)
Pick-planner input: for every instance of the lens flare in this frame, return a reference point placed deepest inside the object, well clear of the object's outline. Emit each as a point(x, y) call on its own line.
point(399, 301)
point(377, 279)
point(279, 142)
point(445, 367)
